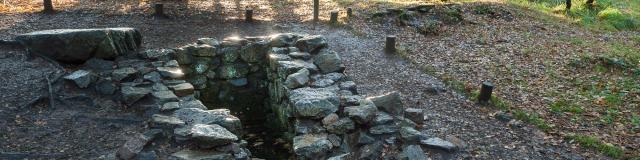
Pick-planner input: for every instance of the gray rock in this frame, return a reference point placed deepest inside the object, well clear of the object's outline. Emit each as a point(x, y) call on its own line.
point(209, 41)
point(232, 71)
point(149, 155)
point(132, 94)
point(201, 155)
point(200, 68)
point(106, 87)
point(153, 77)
point(415, 115)
point(279, 51)
point(122, 73)
point(312, 146)
point(170, 106)
point(221, 117)
point(308, 126)
point(362, 114)
point(334, 76)
point(181, 55)
point(289, 67)
point(437, 143)
point(311, 43)
point(98, 64)
point(300, 55)
point(410, 135)
point(159, 87)
point(328, 61)
point(350, 86)
point(203, 50)
point(364, 138)
point(162, 121)
point(157, 63)
point(212, 135)
point(253, 52)
point(340, 126)
point(371, 151)
point(198, 81)
point(155, 54)
point(350, 100)
point(132, 147)
point(382, 118)
point(238, 82)
point(383, 129)
point(297, 79)
point(171, 72)
point(182, 89)
point(78, 45)
point(389, 102)
point(165, 96)
point(346, 156)
point(192, 104)
point(321, 83)
point(229, 54)
point(82, 78)
point(282, 40)
point(314, 102)
point(211, 74)
point(335, 140)
point(413, 152)
point(172, 63)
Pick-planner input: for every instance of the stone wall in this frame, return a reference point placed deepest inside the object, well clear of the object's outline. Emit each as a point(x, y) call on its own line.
point(194, 95)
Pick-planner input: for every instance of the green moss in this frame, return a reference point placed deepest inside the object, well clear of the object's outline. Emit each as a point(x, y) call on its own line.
point(564, 106)
point(593, 142)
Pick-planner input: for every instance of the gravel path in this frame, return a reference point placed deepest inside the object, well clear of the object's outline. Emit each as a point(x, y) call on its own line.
point(449, 115)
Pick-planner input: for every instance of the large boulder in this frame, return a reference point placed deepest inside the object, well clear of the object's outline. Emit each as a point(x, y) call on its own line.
point(79, 45)
point(328, 61)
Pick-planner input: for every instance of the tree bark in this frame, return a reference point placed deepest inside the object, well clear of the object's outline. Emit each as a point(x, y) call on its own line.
point(48, 6)
point(590, 3)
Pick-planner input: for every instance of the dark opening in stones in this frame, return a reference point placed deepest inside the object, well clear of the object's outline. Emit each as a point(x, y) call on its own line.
point(235, 77)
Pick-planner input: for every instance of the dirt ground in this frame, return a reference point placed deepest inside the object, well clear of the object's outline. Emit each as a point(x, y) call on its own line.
point(90, 128)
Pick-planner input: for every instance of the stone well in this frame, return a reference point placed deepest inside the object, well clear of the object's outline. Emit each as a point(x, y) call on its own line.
point(283, 96)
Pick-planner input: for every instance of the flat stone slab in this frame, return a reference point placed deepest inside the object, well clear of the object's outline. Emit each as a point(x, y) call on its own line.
point(79, 45)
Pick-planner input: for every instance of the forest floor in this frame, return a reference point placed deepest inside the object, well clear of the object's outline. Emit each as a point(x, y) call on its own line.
point(562, 91)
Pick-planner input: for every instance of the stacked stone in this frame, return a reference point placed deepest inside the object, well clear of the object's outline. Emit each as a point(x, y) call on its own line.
point(312, 100)
point(309, 91)
point(154, 79)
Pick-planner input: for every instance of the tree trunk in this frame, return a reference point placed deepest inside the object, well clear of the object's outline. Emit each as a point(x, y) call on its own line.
point(48, 6)
point(568, 5)
point(590, 3)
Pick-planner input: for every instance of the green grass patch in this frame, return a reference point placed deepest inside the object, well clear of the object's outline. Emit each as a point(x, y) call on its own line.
point(565, 106)
point(532, 118)
point(613, 15)
point(594, 143)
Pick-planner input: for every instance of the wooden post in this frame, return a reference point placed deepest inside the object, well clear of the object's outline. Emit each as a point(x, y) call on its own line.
point(158, 9)
point(334, 17)
point(316, 10)
point(48, 6)
point(248, 15)
point(485, 92)
point(349, 13)
point(390, 45)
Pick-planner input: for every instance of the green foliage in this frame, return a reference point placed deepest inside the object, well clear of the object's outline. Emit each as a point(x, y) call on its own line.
point(606, 14)
point(564, 106)
point(482, 9)
point(531, 118)
point(430, 27)
point(593, 142)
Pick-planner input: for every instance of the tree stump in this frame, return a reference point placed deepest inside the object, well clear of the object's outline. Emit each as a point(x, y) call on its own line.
point(390, 46)
point(334, 17)
point(248, 15)
point(485, 92)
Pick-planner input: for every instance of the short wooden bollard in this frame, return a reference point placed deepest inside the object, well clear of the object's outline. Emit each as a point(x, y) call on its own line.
point(485, 92)
point(334, 17)
point(390, 45)
point(158, 9)
point(248, 15)
point(349, 12)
